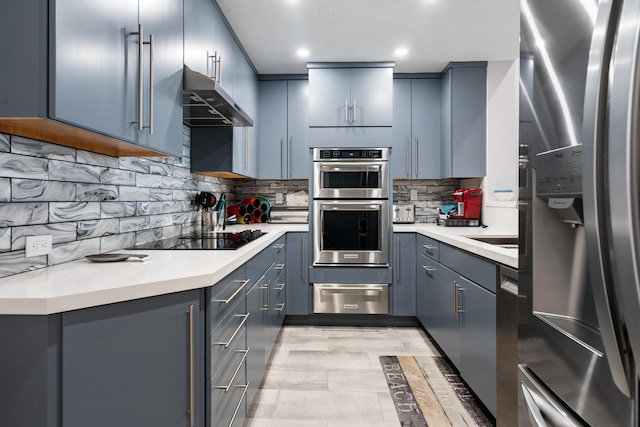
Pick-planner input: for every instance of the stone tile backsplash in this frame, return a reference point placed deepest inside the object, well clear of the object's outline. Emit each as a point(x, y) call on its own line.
point(90, 202)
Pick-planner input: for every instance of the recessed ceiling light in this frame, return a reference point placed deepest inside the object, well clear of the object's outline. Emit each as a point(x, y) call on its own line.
point(303, 53)
point(401, 51)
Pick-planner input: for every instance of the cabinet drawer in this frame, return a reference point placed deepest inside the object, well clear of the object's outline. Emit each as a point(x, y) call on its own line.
point(228, 390)
point(257, 266)
point(429, 247)
point(474, 268)
point(227, 334)
point(224, 294)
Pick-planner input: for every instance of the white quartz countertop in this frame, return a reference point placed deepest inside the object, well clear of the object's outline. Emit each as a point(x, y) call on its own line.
point(82, 283)
point(457, 236)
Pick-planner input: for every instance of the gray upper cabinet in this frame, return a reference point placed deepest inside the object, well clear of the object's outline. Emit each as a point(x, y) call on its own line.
point(416, 129)
point(245, 139)
point(111, 91)
point(224, 45)
point(199, 36)
point(284, 129)
point(464, 118)
point(136, 363)
point(341, 97)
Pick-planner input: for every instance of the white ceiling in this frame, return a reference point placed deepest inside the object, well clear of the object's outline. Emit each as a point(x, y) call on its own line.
point(434, 31)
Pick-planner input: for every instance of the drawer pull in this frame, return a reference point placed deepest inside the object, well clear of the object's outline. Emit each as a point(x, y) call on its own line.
point(243, 283)
point(279, 266)
point(428, 269)
point(429, 247)
point(281, 308)
point(278, 246)
point(353, 288)
point(235, 374)
point(279, 286)
point(244, 395)
point(238, 329)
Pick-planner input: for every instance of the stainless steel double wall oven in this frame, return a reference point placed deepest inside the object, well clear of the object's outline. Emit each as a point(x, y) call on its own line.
point(351, 226)
point(351, 206)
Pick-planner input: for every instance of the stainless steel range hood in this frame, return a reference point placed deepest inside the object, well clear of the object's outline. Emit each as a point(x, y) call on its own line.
point(205, 103)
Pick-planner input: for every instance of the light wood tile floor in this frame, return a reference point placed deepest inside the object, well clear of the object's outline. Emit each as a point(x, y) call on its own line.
point(332, 377)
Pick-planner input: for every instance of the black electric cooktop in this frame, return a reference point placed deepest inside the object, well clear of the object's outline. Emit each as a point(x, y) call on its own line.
point(205, 241)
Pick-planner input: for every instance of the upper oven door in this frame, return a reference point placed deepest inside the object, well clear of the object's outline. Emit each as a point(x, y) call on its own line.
point(352, 232)
point(351, 180)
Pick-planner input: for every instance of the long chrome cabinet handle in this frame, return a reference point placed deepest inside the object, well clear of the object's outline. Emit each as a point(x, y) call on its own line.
point(458, 290)
point(302, 261)
point(407, 166)
point(346, 110)
point(244, 395)
point(235, 374)
point(247, 145)
point(151, 91)
point(238, 329)
point(192, 381)
point(417, 157)
point(243, 284)
point(219, 70)
point(455, 298)
point(397, 258)
point(355, 111)
point(352, 288)
point(282, 161)
point(140, 35)
point(290, 156)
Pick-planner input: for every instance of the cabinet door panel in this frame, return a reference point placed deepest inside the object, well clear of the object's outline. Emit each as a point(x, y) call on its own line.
point(425, 127)
point(371, 93)
point(401, 161)
point(297, 283)
point(223, 45)
point(446, 124)
point(404, 277)
point(469, 97)
point(198, 35)
point(298, 129)
point(163, 20)
point(478, 332)
point(94, 65)
point(329, 92)
point(128, 364)
point(273, 129)
point(449, 327)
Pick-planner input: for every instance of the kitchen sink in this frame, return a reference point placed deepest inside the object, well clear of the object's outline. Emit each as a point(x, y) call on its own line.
point(502, 241)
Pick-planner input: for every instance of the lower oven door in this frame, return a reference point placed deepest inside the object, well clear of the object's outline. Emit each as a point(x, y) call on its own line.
point(351, 232)
point(350, 298)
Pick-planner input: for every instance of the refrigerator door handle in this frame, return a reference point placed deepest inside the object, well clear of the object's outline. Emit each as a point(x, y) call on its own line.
point(623, 170)
point(595, 202)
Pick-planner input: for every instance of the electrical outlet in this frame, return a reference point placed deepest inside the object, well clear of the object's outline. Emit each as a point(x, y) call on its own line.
point(38, 245)
point(414, 194)
point(279, 199)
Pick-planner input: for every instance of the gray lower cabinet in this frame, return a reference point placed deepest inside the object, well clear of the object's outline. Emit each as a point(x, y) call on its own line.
point(464, 119)
point(297, 274)
point(404, 275)
point(456, 304)
point(227, 351)
point(416, 129)
point(266, 295)
point(284, 129)
point(136, 363)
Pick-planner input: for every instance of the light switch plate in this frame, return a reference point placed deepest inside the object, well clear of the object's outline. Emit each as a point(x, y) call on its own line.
point(414, 194)
point(279, 199)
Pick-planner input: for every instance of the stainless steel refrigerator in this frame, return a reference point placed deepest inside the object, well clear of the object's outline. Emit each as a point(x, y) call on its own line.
point(579, 282)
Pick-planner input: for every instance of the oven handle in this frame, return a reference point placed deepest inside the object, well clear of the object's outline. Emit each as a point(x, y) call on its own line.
point(352, 288)
point(364, 206)
point(358, 166)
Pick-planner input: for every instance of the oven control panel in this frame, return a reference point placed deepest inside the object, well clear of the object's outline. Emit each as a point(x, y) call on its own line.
point(320, 154)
